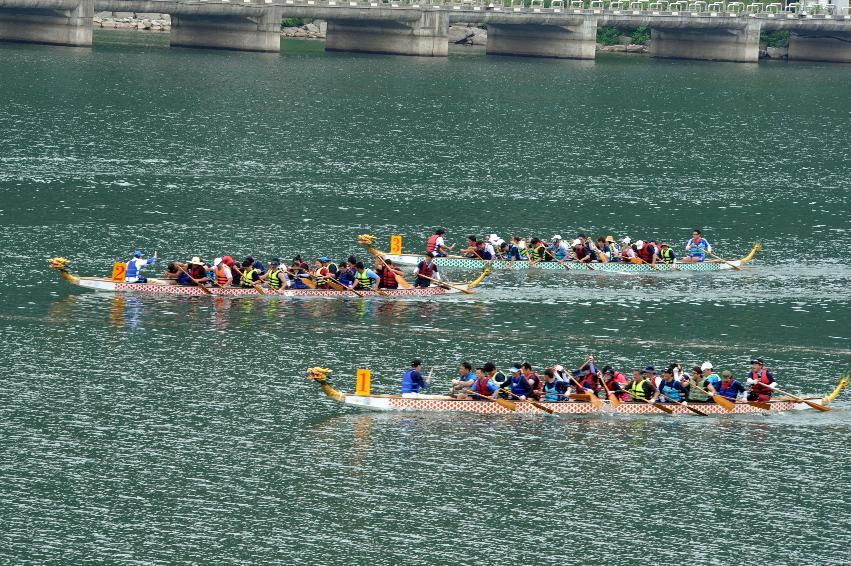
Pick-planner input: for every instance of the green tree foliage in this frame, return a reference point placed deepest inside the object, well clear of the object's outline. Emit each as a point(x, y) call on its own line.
point(608, 35)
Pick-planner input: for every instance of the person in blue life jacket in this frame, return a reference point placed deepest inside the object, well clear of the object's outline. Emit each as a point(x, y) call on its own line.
point(465, 380)
point(554, 390)
point(516, 384)
point(697, 248)
point(413, 381)
point(134, 266)
point(728, 387)
point(669, 389)
point(483, 386)
point(559, 248)
point(710, 378)
point(346, 275)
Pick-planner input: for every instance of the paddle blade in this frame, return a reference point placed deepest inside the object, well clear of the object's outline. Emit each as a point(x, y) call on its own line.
point(613, 399)
point(760, 405)
point(541, 407)
point(724, 402)
point(816, 406)
point(308, 281)
point(403, 284)
point(510, 405)
point(662, 408)
point(596, 402)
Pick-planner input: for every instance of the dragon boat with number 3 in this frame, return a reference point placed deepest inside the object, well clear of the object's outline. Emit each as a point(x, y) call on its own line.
point(166, 287)
point(468, 263)
point(445, 403)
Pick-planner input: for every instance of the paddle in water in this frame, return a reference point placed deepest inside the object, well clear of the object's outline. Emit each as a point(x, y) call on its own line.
point(199, 285)
point(510, 405)
point(815, 406)
point(256, 286)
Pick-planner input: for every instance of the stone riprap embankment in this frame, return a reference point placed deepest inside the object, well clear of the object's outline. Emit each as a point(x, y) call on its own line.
point(132, 20)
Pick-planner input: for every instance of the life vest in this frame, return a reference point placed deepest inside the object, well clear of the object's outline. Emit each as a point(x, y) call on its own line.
point(248, 277)
point(197, 271)
point(388, 279)
point(669, 390)
point(481, 387)
point(486, 253)
point(408, 385)
point(637, 389)
point(644, 253)
point(363, 280)
point(322, 277)
point(221, 275)
point(551, 392)
point(618, 380)
point(275, 279)
point(432, 243)
point(727, 391)
point(695, 394)
point(539, 253)
point(425, 269)
point(761, 387)
point(698, 248)
point(132, 271)
point(667, 255)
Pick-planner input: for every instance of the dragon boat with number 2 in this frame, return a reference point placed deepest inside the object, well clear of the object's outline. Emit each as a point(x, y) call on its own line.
point(166, 287)
point(445, 403)
point(467, 263)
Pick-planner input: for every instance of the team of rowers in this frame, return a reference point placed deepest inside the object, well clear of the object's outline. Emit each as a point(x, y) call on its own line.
point(699, 385)
point(349, 274)
point(583, 248)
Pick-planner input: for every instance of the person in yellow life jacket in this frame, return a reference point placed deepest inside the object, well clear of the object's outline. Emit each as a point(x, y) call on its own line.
point(365, 279)
point(641, 386)
point(324, 271)
point(667, 254)
point(275, 277)
point(250, 274)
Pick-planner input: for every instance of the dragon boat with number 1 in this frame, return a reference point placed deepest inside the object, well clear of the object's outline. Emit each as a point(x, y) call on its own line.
point(447, 404)
point(468, 263)
point(166, 287)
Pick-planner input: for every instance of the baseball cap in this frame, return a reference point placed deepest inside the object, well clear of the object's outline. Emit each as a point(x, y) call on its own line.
point(705, 366)
point(649, 369)
point(639, 244)
point(758, 361)
point(137, 253)
point(556, 237)
point(416, 362)
point(626, 240)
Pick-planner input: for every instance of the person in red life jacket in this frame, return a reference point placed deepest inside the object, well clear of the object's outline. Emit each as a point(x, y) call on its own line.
point(580, 251)
point(517, 384)
point(436, 245)
point(588, 380)
point(646, 252)
point(484, 386)
point(466, 378)
point(473, 249)
point(533, 379)
point(197, 272)
point(616, 382)
point(728, 387)
point(426, 268)
point(761, 382)
point(387, 273)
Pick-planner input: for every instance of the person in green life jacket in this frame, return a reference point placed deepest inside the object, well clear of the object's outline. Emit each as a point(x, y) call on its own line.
point(641, 386)
point(667, 254)
point(275, 277)
point(694, 380)
point(728, 387)
point(669, 389)
point(365, 279)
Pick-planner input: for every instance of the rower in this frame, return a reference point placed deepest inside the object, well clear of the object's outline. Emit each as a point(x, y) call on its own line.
point(533, 379)
point(697, 247)
point(250, 274)
point(614, 250)
point(728, 387)
point(761, 381)
point(581, 252)
point(133, 272)
point(539, 250)
point(197, 273)
point(276, 276)
point(558, 248)
point(426, 268)
point(710, 378)
point(603, 250)
point(365, 279)
point(346, 276)
point(484, 386)
point(669, 390)
point(628, 254)
point(294, 276)
point(517, 384)
point(323, 272)
point(489, 248)
point(223, 273)
point(473, 248)
point(466, 378)
point(645, 252)
point(497, 376)
point(554, 390)
point(667, 254)
point(387, 273)
point(615, 382)
point(520, 244)
point(412, 379)
point(436, 245)
point(641, 387)
point(587, 380)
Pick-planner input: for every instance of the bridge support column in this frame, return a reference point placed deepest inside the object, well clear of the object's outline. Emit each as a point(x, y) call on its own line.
point(577, 41)
point(825, 46)
point(427, 36)
point(40, 25)
point(740, 45)
point(260, 32)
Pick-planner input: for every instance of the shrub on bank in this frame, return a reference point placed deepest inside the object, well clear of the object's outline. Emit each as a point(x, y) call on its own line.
point(608, 35)
point(292, 22)
point(611, 35)
point(774, 38)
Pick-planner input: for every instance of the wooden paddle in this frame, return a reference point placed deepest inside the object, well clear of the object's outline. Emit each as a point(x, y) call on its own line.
point(684, 405)
point(337, 286)
point(533, 403)
point(306, 279)
point(203, 288)
point(613, 399)
point(657, 405)
point(574, 256)
point(593, 399)
point(647, 263)
point(718, 398)
point(759, 405)
point(399, 278)
point(443, 283)
point(731, 264)
point(815, 406)
point(256, 286)
point(510, 405)
point(601, 257)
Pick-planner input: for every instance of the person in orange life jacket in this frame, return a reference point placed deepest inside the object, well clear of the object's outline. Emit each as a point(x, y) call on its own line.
point(517, 384)
point(222, 275)
point(133, 271)
point(436, 245)
point(465, 380)
point(412, 380)
point(616, 382)
point(387, 273)
point(473, 249)
point(669, 389)
point(727, 387)
point(554, 390)
point(533, 379)
point(197, 273)
point(761, 381)
point(426, 268)
point(484, 386)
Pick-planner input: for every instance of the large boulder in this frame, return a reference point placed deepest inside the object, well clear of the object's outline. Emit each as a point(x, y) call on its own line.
point(777, 52)
point(460, 34)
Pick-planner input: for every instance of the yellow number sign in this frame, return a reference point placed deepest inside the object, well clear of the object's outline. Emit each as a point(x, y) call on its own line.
point(363, 384)
point(119, 269)
point(395, 244)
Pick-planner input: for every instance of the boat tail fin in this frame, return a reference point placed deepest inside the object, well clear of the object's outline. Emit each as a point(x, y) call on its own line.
point(843, 383)
point(756, 247)
point(475, 282)
point(61, 265)
point(320, 375)
point(367, 240)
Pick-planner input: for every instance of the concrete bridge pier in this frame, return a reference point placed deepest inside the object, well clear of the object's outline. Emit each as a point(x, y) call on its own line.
point(576, 40)
point(737, 44)
point(826, 46)
point(68, 24)
point(421, 33)
point(260, 31)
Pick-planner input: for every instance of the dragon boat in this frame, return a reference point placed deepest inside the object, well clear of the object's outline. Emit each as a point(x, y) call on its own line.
point(447, 404)
point(467, 263)
point(156, 286)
